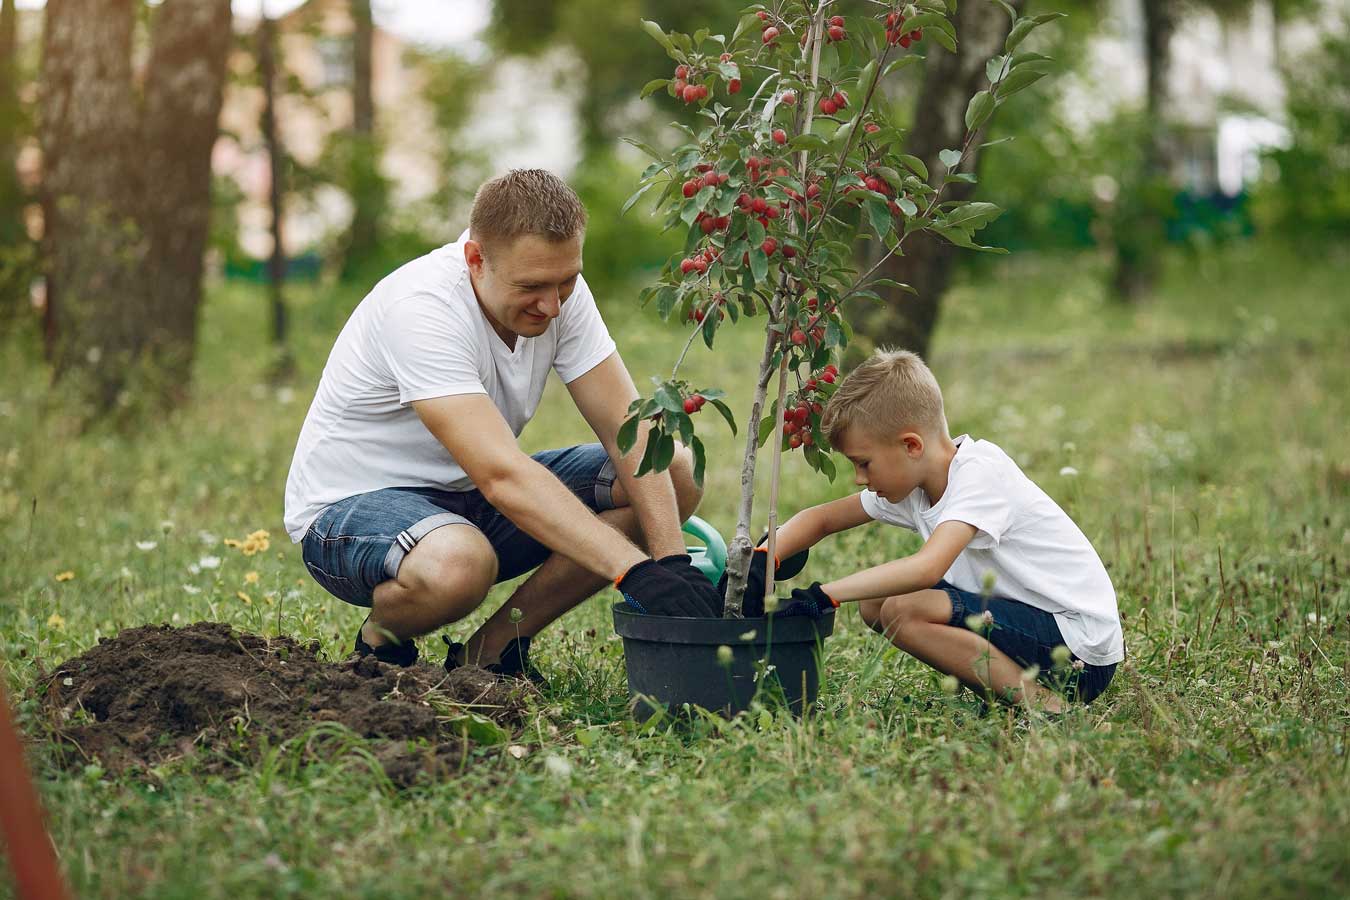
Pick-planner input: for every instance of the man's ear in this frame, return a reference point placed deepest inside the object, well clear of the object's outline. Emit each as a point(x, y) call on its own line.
point(473, 256)
point(912, 441)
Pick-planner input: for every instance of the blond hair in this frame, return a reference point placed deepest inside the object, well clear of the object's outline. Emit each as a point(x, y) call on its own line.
point(893, 391)
point(523, 202)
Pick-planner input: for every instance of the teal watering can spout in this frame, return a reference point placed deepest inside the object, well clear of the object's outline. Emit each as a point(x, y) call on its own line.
point(711, 558)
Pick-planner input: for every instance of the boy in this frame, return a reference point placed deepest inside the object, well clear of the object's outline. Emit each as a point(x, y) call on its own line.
point(984, 523)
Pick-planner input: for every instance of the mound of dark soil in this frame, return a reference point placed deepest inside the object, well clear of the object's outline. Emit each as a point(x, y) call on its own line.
point(154, 694)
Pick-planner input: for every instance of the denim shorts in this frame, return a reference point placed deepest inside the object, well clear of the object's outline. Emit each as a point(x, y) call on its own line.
point(359, 542)
point(1029, 636)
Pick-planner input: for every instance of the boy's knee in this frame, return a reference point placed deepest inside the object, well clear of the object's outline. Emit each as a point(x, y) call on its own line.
point(900, 614)
point(870, 611)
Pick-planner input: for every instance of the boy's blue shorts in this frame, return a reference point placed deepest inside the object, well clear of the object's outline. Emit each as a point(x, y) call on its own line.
point(356, 543)
point(1029, 636)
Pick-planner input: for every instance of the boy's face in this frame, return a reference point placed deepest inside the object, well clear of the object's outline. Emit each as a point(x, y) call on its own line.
point(523, 286)
point(890, 466)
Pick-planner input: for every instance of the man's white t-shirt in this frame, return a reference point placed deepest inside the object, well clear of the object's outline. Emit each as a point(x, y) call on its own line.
point(1034, 550)
point(420, 334)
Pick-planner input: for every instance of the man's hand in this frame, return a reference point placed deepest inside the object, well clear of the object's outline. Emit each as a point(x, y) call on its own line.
point(811, 602)
point(752, 602)
point(682, 565)
point(652, 588)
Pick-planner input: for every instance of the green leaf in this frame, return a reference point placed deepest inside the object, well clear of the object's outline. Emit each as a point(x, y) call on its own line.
point(725, 411)
point(914, 164)
point(936, 21)
point(652, 87)
point(759, 264)
point(950, 158)
point(963, 178)
point(646, 465)
point(892, 283)
point(756, 234)
point(628, 434)
point(945, 40)
point(709, 327)
point(993, 69)
point(645, 148)
point(700, 460)
point(907, 206)
point(978, 111)
point(827, 466)
point(866, 75)
point(665, 452)
point(685, 426)
point(808, 141)
point(479, 729)
point(1026, 56)
point(669, 398)
point(1018, 80)
point(900, 63)
point(1007, 7)
point(1024, 27)
point(665, 301)
point(960, 238)
point(628, 204)
point(880, 215)
point(972, 216)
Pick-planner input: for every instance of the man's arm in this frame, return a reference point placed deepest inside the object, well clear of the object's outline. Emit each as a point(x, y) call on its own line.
point(812, 525)
point(603, 396)
point(904, 576)
point(527, 493)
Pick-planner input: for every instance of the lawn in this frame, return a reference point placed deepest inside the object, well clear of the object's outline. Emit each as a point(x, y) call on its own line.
point(1199, 440)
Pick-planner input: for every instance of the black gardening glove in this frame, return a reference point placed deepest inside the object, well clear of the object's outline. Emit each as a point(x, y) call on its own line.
point(682, 565)
point(811, 602)
point(752, 603)
point(650, 587)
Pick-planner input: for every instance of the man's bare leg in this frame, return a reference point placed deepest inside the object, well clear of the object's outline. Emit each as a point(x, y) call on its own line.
point(556, 587)
point(441, 580)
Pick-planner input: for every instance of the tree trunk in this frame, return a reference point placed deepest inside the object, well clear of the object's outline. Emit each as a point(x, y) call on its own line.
point(951, 79)
point(1139, 224)
point(276, 266)
point(127, 191)
point(367, 186)
point(94, 247)
point(184, 89)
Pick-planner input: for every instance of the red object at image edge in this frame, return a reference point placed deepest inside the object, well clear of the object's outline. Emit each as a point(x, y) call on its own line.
point(32, 859)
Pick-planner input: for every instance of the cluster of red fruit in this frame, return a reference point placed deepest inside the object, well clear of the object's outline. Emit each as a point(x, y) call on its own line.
point(694, 403)
point(874, 182)
point(708, 178)
point(698, 313)
point(797, 417)
point(770, 33)
point(684, 88)
point(700, 261)
point(835, 102)
point(895, 31)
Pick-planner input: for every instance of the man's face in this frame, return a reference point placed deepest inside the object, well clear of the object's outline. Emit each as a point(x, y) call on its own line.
point(891, 467)
point(522, 285)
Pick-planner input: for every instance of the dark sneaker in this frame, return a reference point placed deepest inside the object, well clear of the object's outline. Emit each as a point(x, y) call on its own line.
point(514, 661)
point(404, 654)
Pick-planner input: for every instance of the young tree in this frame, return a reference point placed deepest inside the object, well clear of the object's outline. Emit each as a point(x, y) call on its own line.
point(790, 165)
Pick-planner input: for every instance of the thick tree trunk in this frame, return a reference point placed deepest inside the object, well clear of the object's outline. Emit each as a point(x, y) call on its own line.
point(951, 79)
point(94, 247)
point(367, 187)
point(127, 190)
point(184, 88)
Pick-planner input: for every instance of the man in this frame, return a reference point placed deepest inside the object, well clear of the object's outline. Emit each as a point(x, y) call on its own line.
point(408, 490)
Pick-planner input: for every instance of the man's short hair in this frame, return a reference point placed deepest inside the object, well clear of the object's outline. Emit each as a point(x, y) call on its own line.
point(893, 391)
point(525, 201)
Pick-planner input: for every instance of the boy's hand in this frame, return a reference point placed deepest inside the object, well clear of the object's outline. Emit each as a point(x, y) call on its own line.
point(752, 602)
point(682, 565)
point(652, 588)
point(811, 602)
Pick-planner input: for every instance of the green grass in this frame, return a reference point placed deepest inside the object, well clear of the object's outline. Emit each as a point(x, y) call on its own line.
point(1208, 425)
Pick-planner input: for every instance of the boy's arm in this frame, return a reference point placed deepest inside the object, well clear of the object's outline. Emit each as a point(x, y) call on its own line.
point(912, 573)
point(811, 525)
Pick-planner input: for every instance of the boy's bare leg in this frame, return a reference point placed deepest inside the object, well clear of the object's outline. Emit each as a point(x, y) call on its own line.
point(917, 624)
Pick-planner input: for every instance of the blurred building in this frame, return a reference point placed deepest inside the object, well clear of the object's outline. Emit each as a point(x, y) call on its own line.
point(315, 58)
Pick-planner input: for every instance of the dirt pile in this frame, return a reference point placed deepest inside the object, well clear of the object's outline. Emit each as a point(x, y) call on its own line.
point(154, 694)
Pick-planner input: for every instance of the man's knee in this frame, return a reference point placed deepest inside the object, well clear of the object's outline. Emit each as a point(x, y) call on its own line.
point(452, 566)
point(870, 611)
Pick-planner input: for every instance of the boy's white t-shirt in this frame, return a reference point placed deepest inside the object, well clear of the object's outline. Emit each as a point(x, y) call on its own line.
point(420, 333)
point(1034, 550)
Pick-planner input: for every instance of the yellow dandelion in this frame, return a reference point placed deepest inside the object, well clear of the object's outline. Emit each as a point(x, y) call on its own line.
point(65, 576)
point(248, 601)
point(250, 578)
point(56, 621)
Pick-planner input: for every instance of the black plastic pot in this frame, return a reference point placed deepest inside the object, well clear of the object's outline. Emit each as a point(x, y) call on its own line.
point(672, 661)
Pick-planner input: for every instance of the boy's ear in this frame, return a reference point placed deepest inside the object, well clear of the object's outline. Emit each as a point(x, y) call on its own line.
point(913, 443)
